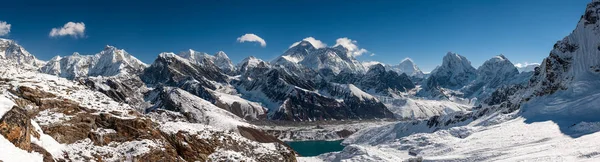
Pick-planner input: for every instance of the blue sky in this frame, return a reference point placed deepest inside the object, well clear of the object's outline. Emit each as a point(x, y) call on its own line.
point(424, 30)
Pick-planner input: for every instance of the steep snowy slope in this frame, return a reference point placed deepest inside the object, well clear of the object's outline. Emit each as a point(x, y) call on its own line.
point(109, 62)
point(565, 85)
point(10, 50)
point(409, 67)
point(195, 109)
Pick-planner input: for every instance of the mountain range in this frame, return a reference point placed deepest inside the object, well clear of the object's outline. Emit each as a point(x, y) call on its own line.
point(193, 106)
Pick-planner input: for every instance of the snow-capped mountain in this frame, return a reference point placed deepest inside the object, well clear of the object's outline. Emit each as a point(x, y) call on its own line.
point(10, 50)
point(220, 59)
point(367, 64)
point(204, 80)
point(223, 62)
point(252, 62)
point(109, 62)
point(409, 67)
point(455, 72)
point(445, 80)
point(295, 54)
point(494, 73)
point(306, 55)
point(380, 80)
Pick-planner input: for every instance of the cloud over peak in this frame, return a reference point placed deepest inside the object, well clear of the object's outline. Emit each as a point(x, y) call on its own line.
point(252, 38)
point(74, 29)
point(316, 43)
point(4, 28)
point(350, 44)
point(523, 65)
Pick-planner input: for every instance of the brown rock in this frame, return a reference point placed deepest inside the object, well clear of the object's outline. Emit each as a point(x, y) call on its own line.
point(16, 127)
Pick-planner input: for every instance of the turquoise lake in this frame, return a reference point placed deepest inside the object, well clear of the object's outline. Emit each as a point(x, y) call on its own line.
point(314, 148)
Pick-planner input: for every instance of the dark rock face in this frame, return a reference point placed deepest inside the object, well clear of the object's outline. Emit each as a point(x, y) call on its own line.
point(380, 80)
point(548, 75)
point(121, 89)
point(305, 106)
point(591, 15)
point(170, 70)
point(503, 94)
point(377, 79)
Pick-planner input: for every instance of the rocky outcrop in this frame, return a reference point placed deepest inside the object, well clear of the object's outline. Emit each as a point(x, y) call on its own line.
point(16, 127)
point(108, 129)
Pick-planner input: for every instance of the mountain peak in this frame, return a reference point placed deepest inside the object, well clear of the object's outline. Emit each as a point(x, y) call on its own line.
point(56, 58)
point(500, 57)
point(408, 67)
point(378, 68)
point(109, 47)
point(221, 54)
point(305, 43)
point(302, 44)
point(456, 60)
point(250, 58)
point(10, 50)
point(408, 60)
point(454, 73)
point(166, 54)
point(223, 62)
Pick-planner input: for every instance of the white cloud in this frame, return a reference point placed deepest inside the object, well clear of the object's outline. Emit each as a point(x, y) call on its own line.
point(522, 65)
point(74, 29)
point(350, 44)
point(372, 54)
point(252, 38)
point(316, 43)
point(4, 28)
